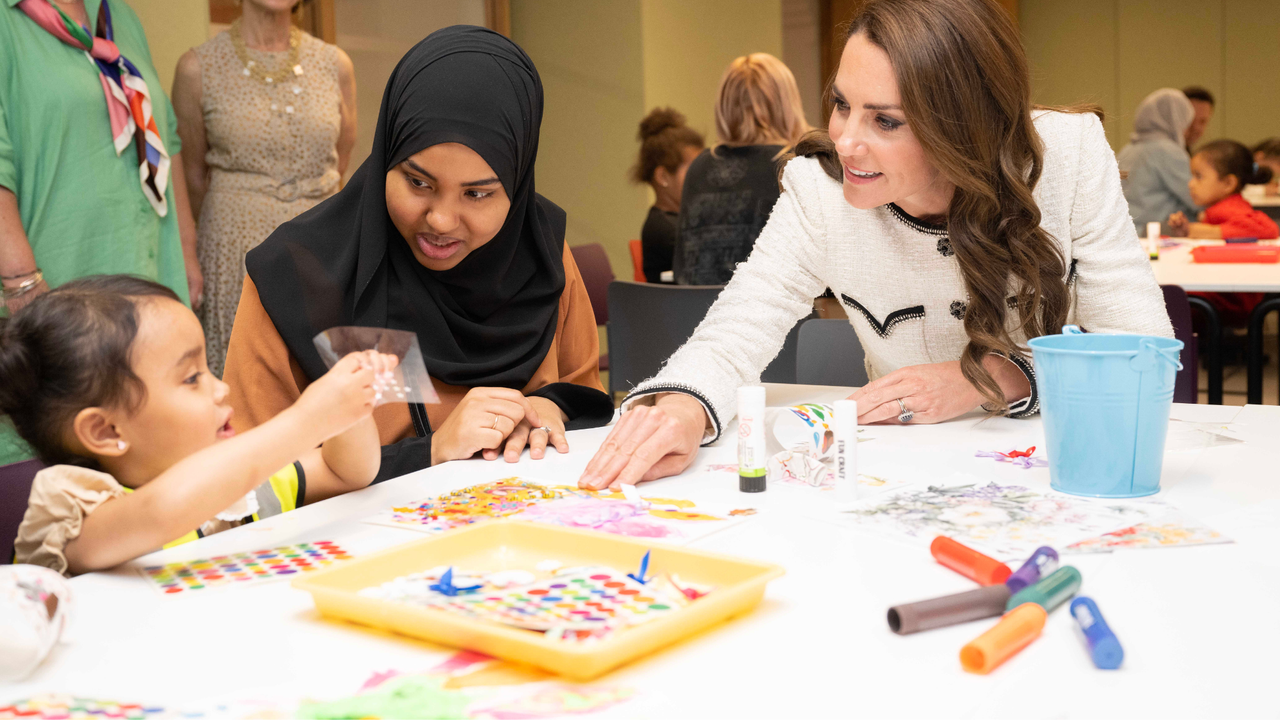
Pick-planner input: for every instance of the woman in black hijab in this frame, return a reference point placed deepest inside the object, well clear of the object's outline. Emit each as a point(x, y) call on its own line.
point(439, 232)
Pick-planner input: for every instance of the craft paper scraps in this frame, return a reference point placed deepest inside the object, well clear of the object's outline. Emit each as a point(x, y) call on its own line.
point(673, 519)
point(183, 578)
point(408, 696)
point(557, 701)
point(65, 707)
point(1007, 522)
point(1021, 458)
point(1169, 530)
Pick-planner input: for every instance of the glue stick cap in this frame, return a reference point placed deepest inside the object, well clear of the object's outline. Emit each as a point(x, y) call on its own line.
point(1016, 630)
point(844, 416)
point(968, 562)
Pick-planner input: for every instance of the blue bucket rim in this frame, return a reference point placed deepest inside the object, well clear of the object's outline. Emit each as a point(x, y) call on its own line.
point(1175, 343)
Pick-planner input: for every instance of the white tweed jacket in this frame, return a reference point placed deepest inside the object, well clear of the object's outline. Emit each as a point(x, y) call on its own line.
point(898, 278)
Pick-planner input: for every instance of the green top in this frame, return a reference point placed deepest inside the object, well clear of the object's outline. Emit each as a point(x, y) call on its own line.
point(81, 205)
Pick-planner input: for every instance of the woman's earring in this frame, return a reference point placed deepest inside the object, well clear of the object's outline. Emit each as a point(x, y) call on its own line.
point(121, 445)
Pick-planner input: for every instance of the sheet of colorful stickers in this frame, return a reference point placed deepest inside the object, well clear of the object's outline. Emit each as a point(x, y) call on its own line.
point(184, 578)
point(673, 520)
point(573, 604)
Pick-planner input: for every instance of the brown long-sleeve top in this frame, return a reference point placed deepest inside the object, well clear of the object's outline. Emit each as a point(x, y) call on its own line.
point(265, 378)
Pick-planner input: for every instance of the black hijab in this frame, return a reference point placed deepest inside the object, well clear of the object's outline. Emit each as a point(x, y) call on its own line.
point(490, 320)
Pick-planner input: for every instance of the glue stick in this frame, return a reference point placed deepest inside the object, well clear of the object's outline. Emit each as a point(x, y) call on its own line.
point(1153, 240)
point(845, 421)
point(751, 440)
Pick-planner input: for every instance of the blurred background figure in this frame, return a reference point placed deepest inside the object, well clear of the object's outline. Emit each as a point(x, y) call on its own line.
point(1203, 103)
point(667, 147)
point(1155, 163)
point(267, 114)
point(1267, 154)
point(730, 189)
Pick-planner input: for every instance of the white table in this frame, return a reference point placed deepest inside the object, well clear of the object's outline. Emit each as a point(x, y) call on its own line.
point(1199, 625)
point(1175, 268)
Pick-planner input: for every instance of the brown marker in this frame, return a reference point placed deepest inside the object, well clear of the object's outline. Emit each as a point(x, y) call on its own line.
point(984, 602)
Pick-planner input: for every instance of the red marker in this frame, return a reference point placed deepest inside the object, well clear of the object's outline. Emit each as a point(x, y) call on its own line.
point(969, 562)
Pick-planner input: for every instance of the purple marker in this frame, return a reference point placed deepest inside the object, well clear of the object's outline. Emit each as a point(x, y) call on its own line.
point(1042, 562)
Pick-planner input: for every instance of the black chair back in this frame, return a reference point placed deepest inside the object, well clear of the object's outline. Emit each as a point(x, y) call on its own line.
point(648, 322)
point(829, 354)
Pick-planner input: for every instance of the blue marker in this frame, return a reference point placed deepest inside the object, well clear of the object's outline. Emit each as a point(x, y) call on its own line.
point(446, 586)
point(1042, 562)
point(644, 568)
point(1103, 645)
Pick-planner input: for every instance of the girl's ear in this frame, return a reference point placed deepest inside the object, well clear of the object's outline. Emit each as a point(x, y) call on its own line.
point(1236, 186)
point(95, 430)
point(661, 176)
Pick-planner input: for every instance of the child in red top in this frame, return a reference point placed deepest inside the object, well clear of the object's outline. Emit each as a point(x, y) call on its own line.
point(1219, 171)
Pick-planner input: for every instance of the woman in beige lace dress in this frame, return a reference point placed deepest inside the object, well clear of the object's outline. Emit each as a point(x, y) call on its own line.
point(267, 116)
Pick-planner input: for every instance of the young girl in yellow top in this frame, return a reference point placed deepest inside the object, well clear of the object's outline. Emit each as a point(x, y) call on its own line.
point(105, 377)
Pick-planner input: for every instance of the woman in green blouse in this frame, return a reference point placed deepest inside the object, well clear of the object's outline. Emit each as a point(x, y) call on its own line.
point(76, 196)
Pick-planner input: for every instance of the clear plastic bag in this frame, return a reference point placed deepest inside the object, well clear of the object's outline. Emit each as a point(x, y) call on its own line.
point(409, 381)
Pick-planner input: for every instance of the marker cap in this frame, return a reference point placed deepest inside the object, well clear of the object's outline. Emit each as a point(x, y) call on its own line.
point(968, 562)
point(1042, 562)
point(1016, 630)
point(939, 612)
point(1104, 647)
point(1050, 592)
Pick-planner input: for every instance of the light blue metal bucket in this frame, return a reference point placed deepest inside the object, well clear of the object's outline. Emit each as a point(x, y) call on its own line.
point(1105, 400)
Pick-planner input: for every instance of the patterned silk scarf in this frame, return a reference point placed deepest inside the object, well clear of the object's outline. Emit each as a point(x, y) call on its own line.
point(128, 99)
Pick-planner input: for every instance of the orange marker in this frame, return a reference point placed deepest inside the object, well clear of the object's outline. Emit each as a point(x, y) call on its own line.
point(969, 562)
point(1015, 631)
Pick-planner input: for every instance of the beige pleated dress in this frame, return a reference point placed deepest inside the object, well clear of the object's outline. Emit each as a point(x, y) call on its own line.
point(272, 155)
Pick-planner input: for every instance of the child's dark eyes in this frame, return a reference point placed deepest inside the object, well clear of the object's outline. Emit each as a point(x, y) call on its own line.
point(194, 379)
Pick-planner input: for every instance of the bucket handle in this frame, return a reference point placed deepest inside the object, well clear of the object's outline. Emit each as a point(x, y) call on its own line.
point(1149, 353)
point(1072, 330)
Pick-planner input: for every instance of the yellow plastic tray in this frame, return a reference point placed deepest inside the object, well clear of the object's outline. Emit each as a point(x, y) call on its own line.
point(503, 545)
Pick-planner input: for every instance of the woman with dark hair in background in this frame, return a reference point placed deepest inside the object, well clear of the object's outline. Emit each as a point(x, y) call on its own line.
point(952, 218)
point(667, 147)
point(730, 189)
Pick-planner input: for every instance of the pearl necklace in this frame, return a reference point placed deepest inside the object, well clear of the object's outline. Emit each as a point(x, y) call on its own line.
point(252, 69)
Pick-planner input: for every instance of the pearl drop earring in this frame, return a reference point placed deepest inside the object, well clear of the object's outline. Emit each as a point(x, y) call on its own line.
point(121, 445)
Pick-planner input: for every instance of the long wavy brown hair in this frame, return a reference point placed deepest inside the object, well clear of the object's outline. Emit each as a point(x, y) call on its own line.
point(966, 93)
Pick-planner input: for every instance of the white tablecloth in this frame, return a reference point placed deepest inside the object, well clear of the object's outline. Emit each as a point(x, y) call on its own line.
point(1199, 625)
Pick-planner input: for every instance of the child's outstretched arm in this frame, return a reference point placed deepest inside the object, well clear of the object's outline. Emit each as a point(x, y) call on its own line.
point(348, 461)
point(207, 482)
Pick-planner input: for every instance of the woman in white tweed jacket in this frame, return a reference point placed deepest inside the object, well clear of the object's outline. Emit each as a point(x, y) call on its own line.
point(963, 223)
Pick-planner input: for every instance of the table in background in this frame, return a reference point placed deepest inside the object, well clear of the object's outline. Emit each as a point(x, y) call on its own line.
point(818, 645)
point(1176, 268)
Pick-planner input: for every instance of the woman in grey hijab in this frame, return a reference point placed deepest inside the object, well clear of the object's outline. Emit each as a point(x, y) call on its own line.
point(1155, 164)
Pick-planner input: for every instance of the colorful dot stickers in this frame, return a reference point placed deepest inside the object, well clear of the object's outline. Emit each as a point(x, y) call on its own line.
point(61, 707)
point(243, 568)
point(574, 604)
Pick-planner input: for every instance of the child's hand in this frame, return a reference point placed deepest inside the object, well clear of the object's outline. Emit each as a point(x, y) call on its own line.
point(1178, 225)
point(347, 393)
